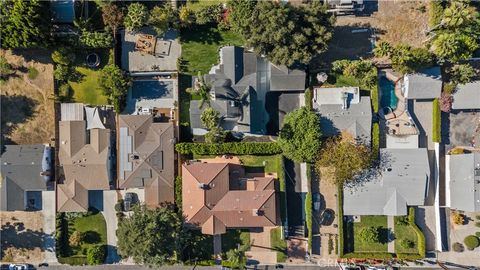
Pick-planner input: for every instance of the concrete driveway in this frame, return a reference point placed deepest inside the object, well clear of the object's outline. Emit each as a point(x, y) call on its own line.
point(48, 202)
point(110, 198)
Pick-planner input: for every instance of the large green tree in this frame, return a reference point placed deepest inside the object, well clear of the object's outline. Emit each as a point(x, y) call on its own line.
point(112, 17)
point(137, 16)
point(210, 118)
point(162, 18)
point(344, 159)
point(115, 84)
point(24, 24)
point(284, 33)
point(300, 135)
point(454, 47)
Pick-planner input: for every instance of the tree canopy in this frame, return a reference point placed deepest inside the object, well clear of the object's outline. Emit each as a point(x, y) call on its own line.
point(137, 16)
point(162, 18)
point(369, 235)
point(24, 24)
point(300, 135)
point(112, 17)
point(284, 33)
point(114, 84)
point(209, 118)
point(345, 158)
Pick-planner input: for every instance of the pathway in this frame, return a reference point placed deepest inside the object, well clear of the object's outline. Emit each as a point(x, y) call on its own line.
point(48, 202)
point(217, 244)
point(109, 213)
point(391, 233)
point(260, 248)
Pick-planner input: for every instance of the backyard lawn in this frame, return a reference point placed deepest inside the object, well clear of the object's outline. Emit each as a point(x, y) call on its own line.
point(87, 89)
point(404, 231)
point(233, 238)
point(278, 244)
point(371, 221)
point(200, 46)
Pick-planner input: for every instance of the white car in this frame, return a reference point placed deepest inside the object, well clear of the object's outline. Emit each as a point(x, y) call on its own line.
point(17, 267)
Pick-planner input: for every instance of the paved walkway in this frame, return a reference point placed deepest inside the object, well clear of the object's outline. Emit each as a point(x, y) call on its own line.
point(217, 244)
point(48, 202)
point(260, 247)
point(109, 213)
point(391, 233)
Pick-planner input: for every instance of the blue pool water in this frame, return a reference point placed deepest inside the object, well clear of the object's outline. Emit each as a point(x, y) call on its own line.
point(152, 89)
point(387, 93)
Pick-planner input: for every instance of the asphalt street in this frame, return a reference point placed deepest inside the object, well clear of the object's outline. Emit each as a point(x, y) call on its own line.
point(261, 267)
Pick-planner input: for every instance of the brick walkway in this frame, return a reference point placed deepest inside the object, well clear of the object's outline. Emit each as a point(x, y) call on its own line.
point(391, 231)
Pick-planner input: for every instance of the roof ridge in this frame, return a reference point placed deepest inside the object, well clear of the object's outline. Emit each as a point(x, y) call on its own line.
point(225, 164)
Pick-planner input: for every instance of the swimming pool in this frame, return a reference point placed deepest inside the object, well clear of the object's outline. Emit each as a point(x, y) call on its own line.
point(387, 93)
point(152, 89)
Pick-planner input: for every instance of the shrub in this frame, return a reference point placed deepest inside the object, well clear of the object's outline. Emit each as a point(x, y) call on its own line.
point(96, 254)
point(65, 91)
point(369, 235)
point(458, 218)
point(210, 118)
point(239, 148)
point(96, 39)
point(406, 243)
point(62, 73)
point(137, 16)
point(458, 247)
point(308, 217)
point(477, 234)
point(32, 73)
point(119, 206)
point(471, 242)
point(461, 74)
point(120, 215)
point(402, 221)
point(457, 151)
point(62, 56)
point(363, 70)
point(445, 102)
point(375, 140)
point(330, 245)
point(436, 129)
point(308, 98)
point(435, 13)
point(178, 191)
point(449, 88)
point(5, 67)
point(76, 239)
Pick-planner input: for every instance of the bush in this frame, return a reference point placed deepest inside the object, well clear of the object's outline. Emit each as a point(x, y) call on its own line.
point(61, 235)
point(63, 56)
point(308, 218)
point(178, 191)
point(32, 73)
point(456, 151)
point(436, 129)
point(96, 39)
point(341, 232)
point(96, 254)
point(120, 215)
point(458, 218)
point(62, 73)
point(76, 239)
point(471, 242)
point(409, 256)
point(238, 148)
point(445, 102)
point(449, 88)
point(435, 13)
point(375, 140)
point(406, 243)
point(402, 221)
point(369, 235)
point(119, 206)
point(477, 234)
point(330, 245)
point(65, 91)
point(5, 67)
point(369, 255)
point(362, 70)
point(137, 16)
point(308, 98)
point(458, 247)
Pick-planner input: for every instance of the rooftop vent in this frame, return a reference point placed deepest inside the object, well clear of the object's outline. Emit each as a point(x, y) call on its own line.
point(203, 186)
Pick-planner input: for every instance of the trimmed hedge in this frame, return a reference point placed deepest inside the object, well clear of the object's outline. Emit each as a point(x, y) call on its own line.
point(375, 140)
point(368, 255)
point(308, 218)
point(61, 235)
point(234, 148)
point(374, 98)
point(178, 191)
point(436, 122)
point(73, 260)
point(340, 244)
point(420, 235)
point(308, 99)
point(283, 189)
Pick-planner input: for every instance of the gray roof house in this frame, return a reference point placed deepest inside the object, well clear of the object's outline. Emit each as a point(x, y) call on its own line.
point(463, 182)
point(402, 182)
point(467, 96)
point(26, 170)
point(344, 110)
point(425, 84)
point(239, 88)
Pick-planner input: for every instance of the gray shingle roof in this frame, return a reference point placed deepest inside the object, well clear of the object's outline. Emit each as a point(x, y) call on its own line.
point(467, 96)
point(465, 182)
point(22, 166)
point(403, 182)
point(425, 84)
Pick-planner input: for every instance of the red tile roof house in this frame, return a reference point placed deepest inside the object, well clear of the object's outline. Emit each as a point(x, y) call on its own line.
point(218, 195)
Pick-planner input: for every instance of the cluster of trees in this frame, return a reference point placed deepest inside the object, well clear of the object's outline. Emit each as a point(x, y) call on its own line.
point(210, 119)
point(405, 59)
point(362, 70)
point(115, 84)
point(284, 33)
point(64, 71)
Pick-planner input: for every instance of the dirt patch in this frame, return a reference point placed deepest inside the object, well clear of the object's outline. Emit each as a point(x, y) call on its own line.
point(22, 237)
point(27, 104)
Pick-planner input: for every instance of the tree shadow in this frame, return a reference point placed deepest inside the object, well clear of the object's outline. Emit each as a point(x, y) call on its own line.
point(207, 34)
point(17, 236)
point(15, 110)
point(385, 235)
point(91, 237)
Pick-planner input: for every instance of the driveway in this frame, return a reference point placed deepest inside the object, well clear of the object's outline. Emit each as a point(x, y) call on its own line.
point(421, 112)
point(295, 198)
point(48, 202)
point(464, 129)
point(261, 247)
point(110, 198)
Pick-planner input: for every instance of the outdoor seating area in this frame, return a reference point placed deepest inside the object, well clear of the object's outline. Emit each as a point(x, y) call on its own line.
point(145, 43)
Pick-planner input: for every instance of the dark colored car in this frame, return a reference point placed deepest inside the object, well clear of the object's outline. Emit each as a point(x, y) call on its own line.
point(129, 201)
point(327, 217)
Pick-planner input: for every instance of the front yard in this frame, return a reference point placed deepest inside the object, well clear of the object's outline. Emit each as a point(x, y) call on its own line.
point(379, 222)
point(405, 232)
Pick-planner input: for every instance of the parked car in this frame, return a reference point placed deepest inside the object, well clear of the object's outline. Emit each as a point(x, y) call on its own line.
point(316, 202)
point(327, 217)
point(128, 201)
point(20, 266)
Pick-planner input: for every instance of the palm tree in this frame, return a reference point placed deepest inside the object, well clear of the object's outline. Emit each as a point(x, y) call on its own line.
point(236, 257)
point(202, 89)
point(382, 49)
point(458, 14)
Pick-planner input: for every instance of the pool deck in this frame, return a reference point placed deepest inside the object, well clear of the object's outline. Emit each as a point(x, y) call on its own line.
point(133, 104)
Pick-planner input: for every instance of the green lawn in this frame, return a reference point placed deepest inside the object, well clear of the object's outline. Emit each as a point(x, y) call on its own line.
point(368, 221)
point(271, 163)
point(278, 244)
point(87, 89)
point(200, 46)
point(405, 232)
point(233, 238)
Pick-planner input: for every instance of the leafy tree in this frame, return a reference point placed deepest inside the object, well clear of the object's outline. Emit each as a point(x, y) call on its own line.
point(76, 239)
point(471, 242)
point(240, 14)
point(62, 73)
point(24, 24)
point(96, 254)
point(346, 158)
point(62, 56)
point(454, 47)
point(236, 257)
point(460, 16)
point(209, 14)
point(287, 34)
point(186, 16)
point(406, 59)
point(300, 135)
point(153, 236)
point(137, 16)
point(362, 70)
point(445, 102)
point(162, 18)
point(112, 17)
point(216, 135)
point(461, 74)
point(209, 118)
point(96, 39)
point(369, 235)
point(5, 67)
point(201, 88)
point(115, 85)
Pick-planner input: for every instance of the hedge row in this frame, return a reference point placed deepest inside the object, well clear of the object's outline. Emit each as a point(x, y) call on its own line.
point(308, 218)
point(234, 148)
point(436, 129)
point(283, 189)
point(420, 235)
point(368, 255)
point(341, 231)
point(374, 98)
point(61, 235)
point(308, 98)
point(375, 139)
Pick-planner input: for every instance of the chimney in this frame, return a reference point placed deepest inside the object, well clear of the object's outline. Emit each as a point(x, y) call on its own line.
point(251, 183)
point(344, 99)
point(203, 186)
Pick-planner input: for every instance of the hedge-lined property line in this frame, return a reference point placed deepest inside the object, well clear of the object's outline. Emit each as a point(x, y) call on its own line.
point(436, 129)
point(340, 243)
point(375, 139)
point(308, 207)
point(234, 148)
point(283, 189)
point(420, 235)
